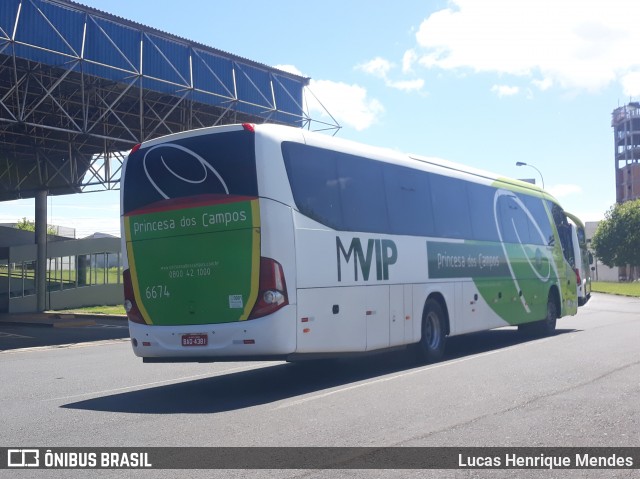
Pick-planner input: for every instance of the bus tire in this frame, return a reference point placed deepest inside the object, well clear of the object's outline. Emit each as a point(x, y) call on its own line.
point(545, 327)
point(433, 338)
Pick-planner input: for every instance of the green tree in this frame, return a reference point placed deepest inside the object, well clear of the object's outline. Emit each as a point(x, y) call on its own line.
point(25, 225)
point(617, 238)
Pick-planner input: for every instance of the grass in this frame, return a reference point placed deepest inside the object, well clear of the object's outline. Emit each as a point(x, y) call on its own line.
point(622, 289)
point(106, 310)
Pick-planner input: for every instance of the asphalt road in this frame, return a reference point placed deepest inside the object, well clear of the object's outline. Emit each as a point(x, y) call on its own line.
point(24, 334)
point(580, 387)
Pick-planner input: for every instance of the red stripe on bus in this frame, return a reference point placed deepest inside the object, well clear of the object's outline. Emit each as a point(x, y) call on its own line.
point(188, 202)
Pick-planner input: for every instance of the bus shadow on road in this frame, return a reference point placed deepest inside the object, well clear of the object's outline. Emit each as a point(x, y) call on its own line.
point(256, 387)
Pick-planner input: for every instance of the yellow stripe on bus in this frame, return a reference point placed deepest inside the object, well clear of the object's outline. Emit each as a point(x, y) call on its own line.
point(134, 274)
point(255, 260)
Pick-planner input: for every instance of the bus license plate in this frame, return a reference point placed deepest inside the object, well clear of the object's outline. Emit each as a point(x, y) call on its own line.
point(195, 340)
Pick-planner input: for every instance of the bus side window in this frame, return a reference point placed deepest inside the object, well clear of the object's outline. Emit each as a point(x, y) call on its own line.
point(314, 183)
point(514, 221)
point(362, 195)
point(450, 207)
point(408, 201)
point(541, 218)
point(483, 223)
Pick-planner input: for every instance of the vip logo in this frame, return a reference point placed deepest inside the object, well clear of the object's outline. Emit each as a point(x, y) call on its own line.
point(381, 251)
point(23, 458)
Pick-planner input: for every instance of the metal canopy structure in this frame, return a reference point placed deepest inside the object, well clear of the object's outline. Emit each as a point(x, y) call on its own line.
point(80, 87)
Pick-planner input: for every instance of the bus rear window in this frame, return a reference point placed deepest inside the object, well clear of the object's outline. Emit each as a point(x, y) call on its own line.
point(217, 163)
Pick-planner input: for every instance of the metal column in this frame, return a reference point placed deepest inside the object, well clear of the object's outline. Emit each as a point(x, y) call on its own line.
point(41, 241)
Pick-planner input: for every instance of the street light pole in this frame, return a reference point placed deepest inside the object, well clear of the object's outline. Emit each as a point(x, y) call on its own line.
point(522, 163)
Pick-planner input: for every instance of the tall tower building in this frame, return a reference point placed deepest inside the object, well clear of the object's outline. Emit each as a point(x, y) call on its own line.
point(625, 121)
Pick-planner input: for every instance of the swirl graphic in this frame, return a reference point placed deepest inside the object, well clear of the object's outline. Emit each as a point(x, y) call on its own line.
point(206, 168)
point(518, 234)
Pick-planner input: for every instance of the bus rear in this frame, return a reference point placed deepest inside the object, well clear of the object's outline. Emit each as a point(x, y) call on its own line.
point(197, 285)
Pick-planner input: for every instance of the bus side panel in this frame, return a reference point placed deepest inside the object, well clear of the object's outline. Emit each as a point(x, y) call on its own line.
point(476, 312)
point(400, 314)
point(334, 319)
point(357, 283)
point(277, 241)
point(327, 258)
point(467, 310)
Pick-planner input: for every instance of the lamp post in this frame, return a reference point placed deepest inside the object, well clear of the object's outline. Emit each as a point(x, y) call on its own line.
point(522, 163)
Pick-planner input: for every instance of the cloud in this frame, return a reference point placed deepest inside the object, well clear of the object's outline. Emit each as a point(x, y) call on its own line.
point(380, 68)
point(407, 85)
point(505, 90)
point(564, 190)
point(573, 44)
point(408, 60)
point(543, 84)
point(290, 69)
point(631, 84)
point(349, 104)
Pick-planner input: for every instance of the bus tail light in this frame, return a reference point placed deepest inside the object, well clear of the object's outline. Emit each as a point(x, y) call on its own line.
point(272, 291)
point(130, 306)
point(578, 279)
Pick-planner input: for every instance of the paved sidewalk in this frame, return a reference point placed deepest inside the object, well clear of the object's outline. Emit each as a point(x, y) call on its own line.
point(55, 320)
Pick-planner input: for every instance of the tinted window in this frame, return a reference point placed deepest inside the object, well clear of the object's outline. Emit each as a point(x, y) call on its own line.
point(313, 176)
point(351, 193)
point(362, 194)
point(483, 222)
point(535, 206)
point(450, 207)
point(222, 163)
point(344, 192)
point(408, 201)
point(514, 223)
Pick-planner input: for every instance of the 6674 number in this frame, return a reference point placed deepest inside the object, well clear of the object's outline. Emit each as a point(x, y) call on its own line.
point(157, 292)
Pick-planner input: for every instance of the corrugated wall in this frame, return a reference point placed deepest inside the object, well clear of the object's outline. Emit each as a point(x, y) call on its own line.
point(81, 39)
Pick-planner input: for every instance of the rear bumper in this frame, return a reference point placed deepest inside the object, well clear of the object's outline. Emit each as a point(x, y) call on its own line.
point(271, 337)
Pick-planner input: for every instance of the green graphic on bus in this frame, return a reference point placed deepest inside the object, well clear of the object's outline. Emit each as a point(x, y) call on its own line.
point(196, 265)
point(513, 279)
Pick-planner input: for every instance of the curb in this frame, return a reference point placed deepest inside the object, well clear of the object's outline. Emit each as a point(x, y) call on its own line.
point(55, 320)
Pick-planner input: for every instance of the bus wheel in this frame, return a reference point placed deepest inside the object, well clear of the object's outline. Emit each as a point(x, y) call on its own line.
point(432, 342)
point(545, 327)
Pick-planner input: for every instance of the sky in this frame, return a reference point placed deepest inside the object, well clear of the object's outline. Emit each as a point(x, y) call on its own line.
point(485, 83)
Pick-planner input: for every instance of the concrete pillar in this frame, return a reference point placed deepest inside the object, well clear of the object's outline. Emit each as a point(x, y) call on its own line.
point(41, 241)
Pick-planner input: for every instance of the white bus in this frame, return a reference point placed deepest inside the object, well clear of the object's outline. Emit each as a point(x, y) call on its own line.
point(582, 259)
point(271, 242)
